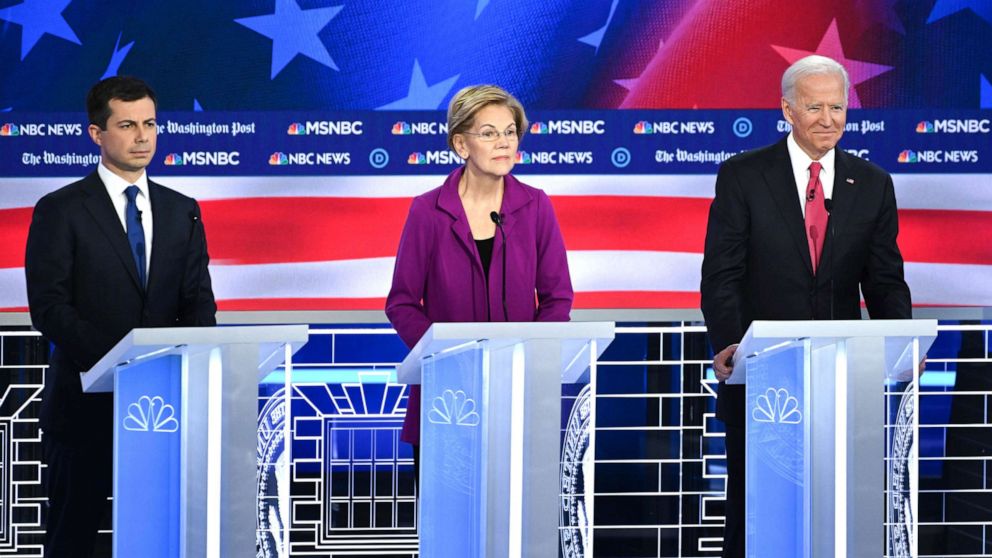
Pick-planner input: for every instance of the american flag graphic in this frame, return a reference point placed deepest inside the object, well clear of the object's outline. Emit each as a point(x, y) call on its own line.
point(326, 240)
point(633, 241)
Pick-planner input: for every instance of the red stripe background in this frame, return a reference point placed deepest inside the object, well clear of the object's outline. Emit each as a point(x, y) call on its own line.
point(589, 300)
point(280, 230)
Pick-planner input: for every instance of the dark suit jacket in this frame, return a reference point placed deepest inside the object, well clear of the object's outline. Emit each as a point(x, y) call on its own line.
point(84, 294)
point(756, 263)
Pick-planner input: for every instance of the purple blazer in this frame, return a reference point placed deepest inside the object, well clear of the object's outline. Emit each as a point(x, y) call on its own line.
point(439, 278)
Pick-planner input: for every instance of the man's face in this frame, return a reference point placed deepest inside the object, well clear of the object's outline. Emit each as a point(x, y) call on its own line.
point(819, 113)
point(128, 143)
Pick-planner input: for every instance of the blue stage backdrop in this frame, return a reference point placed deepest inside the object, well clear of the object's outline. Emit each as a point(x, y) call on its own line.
point(304, 126)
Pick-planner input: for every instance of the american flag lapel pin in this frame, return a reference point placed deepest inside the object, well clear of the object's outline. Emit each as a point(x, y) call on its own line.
point(850, 181)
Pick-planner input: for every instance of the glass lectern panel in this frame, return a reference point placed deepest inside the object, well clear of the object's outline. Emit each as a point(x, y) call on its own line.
point(776, 451)
point(452, 466)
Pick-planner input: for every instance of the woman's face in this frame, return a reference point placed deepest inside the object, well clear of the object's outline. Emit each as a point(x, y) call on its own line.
point(490, 145)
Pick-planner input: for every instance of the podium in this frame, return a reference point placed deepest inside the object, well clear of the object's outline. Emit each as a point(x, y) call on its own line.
point(816, 431)
point(491, 432)
point(185, 415)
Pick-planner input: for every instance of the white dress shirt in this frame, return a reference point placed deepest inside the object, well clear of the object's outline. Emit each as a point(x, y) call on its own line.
point(800, 169)
point(115, 188)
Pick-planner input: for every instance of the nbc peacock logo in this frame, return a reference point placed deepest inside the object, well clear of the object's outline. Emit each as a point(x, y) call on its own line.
point(416, 158)
point(909, 156)
point(402, 129)
point(454, 408)
point(278, 158)
point(539, 128)
point(643, 127)
point(777, 406)
point(925, 127)
point(523, 158)
point(174, 160)
point(297, 129)
point(9, 129)
point(151, 414)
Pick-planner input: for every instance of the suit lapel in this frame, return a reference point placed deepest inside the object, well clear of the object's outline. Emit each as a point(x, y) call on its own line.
point(449, 202)
point(101, 208)
point(845, 191)
point(782, 184)
point(844, 196)
point(160, 222)
point(514, 198)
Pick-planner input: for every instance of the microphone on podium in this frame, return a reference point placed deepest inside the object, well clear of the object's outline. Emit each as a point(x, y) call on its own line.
point(828, 204)
point(197, 223)
point(498, 219)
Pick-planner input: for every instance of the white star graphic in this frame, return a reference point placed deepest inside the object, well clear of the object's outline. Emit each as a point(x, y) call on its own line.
point(117, 58)
point(630, 83)
point(37, 17)
point(595, 39)
point(831, 46)
point(293, 31)
point(421, 96)
point(944, 8)
point(479, 6)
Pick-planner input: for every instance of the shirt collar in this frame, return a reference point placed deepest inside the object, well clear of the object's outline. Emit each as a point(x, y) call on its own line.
point(801, 160)
point(116, 185)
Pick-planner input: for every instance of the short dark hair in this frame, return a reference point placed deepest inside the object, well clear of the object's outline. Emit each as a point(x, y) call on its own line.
point(125, 88)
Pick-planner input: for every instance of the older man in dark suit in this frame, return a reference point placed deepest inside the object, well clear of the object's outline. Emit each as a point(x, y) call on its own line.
point(770, 255)
point(109, 253)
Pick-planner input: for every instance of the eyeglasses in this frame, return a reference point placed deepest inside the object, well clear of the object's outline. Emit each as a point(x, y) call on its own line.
point(490, 134)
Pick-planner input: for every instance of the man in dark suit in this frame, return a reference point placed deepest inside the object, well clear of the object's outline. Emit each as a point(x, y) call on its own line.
point(109, 253)
point(770, 255)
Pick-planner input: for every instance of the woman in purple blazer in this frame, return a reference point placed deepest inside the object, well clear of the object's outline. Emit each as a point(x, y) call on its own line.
point(450, 262)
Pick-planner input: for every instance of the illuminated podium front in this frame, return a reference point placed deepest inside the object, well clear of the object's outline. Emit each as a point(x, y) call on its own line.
point(490, 432)
point(185, 416)
point(817, 449)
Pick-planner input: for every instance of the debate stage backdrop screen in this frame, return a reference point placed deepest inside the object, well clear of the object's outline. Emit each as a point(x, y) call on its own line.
point(304, 127)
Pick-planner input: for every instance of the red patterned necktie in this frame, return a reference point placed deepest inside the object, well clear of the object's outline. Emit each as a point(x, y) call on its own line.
point(816, 214)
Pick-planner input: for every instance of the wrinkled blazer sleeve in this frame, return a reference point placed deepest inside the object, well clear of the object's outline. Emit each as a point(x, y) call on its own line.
point(725, 261)
point(554, 284)
point(883, 285)
point(48, 267)
point(404, 304)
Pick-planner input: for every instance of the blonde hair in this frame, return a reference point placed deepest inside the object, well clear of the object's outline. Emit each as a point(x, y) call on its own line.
point(470, 100)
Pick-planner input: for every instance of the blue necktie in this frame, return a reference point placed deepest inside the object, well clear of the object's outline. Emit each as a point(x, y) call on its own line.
point(135, 232)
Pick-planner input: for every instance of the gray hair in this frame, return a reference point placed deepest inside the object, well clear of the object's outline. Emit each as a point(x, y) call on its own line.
point(812, 65)
point(470, 100)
